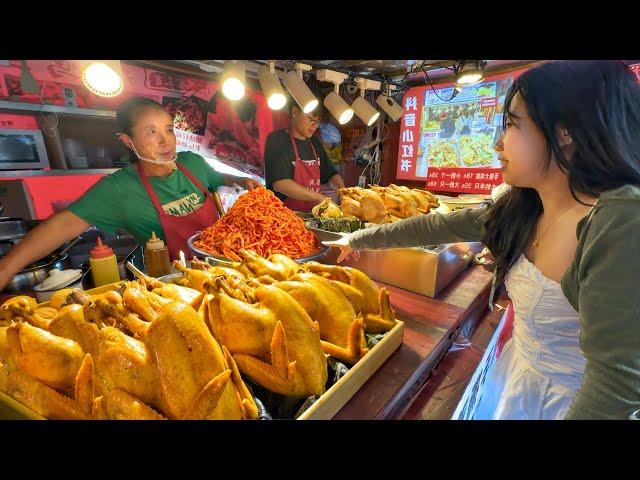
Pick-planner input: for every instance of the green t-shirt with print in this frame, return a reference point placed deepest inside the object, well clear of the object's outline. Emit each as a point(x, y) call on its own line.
point(119, 200)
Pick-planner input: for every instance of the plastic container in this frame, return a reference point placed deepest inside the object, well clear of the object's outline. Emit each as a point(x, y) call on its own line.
point(57, 280)
point(156, 257)
point(104, 265)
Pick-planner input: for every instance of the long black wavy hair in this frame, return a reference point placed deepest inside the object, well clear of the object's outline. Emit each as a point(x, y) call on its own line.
point(598, 102)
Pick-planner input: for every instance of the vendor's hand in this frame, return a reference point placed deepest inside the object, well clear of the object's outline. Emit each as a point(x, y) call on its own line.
point(249, 183)
point(320, 198)
point(345, 248)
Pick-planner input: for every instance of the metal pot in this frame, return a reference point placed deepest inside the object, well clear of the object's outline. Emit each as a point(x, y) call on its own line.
point(12, 228)
point(29, 277)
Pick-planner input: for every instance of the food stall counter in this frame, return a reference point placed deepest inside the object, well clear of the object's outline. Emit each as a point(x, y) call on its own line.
point(431, 324)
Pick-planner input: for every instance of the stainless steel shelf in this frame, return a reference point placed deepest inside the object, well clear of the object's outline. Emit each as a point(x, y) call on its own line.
point(38, 107)
point(54, 173)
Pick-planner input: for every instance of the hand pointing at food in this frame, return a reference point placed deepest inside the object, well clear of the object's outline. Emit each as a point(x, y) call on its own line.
point(345, 248)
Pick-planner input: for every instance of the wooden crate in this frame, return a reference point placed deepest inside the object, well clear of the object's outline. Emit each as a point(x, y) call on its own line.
point(323, 409)
point(341, 392)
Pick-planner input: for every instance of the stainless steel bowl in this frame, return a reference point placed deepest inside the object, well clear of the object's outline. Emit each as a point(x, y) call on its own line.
point(171, 277)
point(13, 228)
point(28, 278)
point(222, 260)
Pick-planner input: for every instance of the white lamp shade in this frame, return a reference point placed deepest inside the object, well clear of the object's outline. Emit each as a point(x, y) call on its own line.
point(338, 108)
point(300, 92)
point(365, 111)
point(390, 107)
point(271, 88)
point(103, 77)
point(233, 80)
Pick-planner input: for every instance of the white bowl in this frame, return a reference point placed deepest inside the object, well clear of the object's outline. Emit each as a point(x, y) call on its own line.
point(45, 295)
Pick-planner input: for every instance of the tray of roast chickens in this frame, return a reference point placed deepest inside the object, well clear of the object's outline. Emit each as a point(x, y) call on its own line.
point(363, 207)
point(261, 338)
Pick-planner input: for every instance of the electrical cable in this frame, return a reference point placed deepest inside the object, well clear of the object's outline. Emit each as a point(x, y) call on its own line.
point(46, 129)
point(453, 95)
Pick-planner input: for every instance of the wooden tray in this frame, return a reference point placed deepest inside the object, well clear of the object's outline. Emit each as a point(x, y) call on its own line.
point(324, 408)
point(11, 409)
point(341, 392)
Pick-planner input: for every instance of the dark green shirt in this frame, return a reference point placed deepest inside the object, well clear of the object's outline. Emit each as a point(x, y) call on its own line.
point(279, 158)
point(119, 200)
point(602, 284)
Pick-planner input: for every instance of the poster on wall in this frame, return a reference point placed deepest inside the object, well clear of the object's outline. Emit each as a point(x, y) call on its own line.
point(233, 129)
point(448, 142)
point(206, 122)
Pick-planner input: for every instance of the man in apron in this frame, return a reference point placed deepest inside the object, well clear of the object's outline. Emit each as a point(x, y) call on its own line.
point(296, 163)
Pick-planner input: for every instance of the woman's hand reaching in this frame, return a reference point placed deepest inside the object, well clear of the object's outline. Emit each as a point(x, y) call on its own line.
point(345, 248)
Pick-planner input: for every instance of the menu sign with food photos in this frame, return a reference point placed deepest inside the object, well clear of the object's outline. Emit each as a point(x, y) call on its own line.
point(448, 142)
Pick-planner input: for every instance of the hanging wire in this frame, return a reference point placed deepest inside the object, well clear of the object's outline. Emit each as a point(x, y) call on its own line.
point(52, 128)
point(427, 78)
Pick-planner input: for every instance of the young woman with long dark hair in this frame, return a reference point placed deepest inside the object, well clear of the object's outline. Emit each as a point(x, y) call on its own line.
point(566, 241)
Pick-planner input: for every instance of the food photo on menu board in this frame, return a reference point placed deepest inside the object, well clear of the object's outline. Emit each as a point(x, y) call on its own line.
point(461, 132)
point(447, 137)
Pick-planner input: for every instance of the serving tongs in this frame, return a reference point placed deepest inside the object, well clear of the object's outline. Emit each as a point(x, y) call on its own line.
point(218, 203)
point(141, 275)
point(136, 271)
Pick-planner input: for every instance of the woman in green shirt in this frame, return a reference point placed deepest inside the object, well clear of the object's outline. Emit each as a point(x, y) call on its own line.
point(567, 234)
point(162, 192)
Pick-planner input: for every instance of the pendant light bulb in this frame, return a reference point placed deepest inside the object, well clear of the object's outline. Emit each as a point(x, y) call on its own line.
point(271, 87)
point(233, 80)
point(103, 77)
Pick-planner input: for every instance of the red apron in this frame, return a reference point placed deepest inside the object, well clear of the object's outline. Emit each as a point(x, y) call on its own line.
point(178, 229)
point(305, 173)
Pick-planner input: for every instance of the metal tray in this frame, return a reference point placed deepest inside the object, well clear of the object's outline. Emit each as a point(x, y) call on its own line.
point(425, 270)
point(307, 258)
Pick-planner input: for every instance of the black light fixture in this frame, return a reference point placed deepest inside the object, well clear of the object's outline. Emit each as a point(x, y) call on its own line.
point(469, 72)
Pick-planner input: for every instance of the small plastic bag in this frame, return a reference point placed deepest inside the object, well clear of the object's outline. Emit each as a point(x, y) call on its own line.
point(229, 195)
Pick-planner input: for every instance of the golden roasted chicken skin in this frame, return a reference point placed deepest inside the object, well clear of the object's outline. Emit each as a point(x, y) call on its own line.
point(385, 204)
point(341, 330)
point(118, 404)
point(177, 368)
point(40, 397)
point(53, 360)
point(71, 323)
point(287, 356)
point(365, 296)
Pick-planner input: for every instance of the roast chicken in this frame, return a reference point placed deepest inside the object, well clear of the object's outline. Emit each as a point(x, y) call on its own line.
point(274, 341)
point(365, 296)
point(341, 330)
point(87, 366)
point(53, 360)
point(178, 369)
point(385, 204)
point(150, 350)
